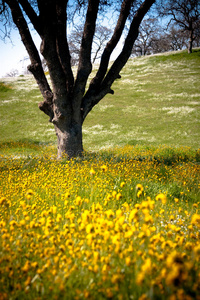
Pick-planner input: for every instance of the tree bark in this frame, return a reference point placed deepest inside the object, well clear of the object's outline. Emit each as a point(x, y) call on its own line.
point(190, 42)
point(69, 139)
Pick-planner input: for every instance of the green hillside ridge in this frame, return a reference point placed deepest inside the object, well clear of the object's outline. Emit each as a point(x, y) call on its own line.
point(156, 101)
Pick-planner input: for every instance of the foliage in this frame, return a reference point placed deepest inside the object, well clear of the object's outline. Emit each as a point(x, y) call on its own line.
point(121, 224)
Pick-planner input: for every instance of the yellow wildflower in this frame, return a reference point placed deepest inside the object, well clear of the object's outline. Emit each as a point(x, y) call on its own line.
point(90, 228)
point(2, 200)
point(128, 261)
point(118, 196)
point(139, 187)
point(139, 193)
point(30, 192)
point(140, 278)
point(133, 215)
point(109, 213)
point(122, 184)
point(92, 171)
point(118, 213)
point(195, 220)
point(162, 197)
point(147, 266)
point(114, 193)
point(104, 168)
point(28, 281)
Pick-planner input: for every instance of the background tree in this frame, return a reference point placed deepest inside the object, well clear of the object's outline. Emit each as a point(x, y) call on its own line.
point(67, 102)
point(177, 38)
point(185, 14)
point(12, 73)
point(148, 34)
point(172, 39)
point(101, 36)
point(196, 42)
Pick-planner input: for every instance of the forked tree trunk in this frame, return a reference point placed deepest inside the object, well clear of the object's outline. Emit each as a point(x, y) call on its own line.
point(67, 102)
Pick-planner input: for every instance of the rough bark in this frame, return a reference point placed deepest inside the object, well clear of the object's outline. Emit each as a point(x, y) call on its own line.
point(36, 65)
point(191, 39)
point(69, 139)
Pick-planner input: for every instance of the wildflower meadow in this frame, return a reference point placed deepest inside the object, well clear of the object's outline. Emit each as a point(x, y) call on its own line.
point(120, 224)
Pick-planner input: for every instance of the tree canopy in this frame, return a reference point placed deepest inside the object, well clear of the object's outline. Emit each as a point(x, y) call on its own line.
point(185, 14)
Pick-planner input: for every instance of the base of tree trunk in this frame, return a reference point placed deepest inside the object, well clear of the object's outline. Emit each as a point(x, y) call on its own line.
point(69, 141)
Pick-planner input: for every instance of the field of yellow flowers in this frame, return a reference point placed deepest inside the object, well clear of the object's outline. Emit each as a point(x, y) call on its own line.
point(121, 224)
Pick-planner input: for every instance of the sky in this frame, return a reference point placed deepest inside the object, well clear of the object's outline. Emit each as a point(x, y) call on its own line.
point(13, 53)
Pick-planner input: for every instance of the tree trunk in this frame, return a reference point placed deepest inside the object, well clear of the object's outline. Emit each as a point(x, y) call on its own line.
point(69, 139)
point(191, 38)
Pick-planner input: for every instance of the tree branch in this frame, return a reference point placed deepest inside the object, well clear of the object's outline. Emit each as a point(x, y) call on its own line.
point(32, 15)
point(124, 12)
point(62, 44)
point(90, 101)
point(128, 45)
point(48, 17)
point(36, 65)
point(85, 66)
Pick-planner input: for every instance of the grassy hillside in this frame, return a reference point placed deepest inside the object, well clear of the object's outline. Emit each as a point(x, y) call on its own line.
point(155, 102)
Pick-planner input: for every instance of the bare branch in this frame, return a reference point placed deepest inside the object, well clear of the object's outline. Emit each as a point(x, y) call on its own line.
point(31, 14)
point(85, 66)
point(36, 65)
point(62, 44)
point(125, 9)
point(90, 101)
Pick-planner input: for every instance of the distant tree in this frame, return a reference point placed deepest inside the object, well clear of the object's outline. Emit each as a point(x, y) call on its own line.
point(101, 36)
point(74, 41)
point(177, 38)
point(67, 102)
point(185, 14)
point(12, 73)
point(197, 35)
point(148, 34)
point(161, 43)
point(172, 39)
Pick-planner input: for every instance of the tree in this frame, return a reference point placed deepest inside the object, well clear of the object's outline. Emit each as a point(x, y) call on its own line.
point(185, 14)
point(12, 73)
point(102, 34)
point(67, 102)
point(177, 38)
point(148, 34)
point(171, 40)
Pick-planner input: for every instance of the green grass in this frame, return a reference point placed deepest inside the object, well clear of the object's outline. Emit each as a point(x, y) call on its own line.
point(155, 102)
